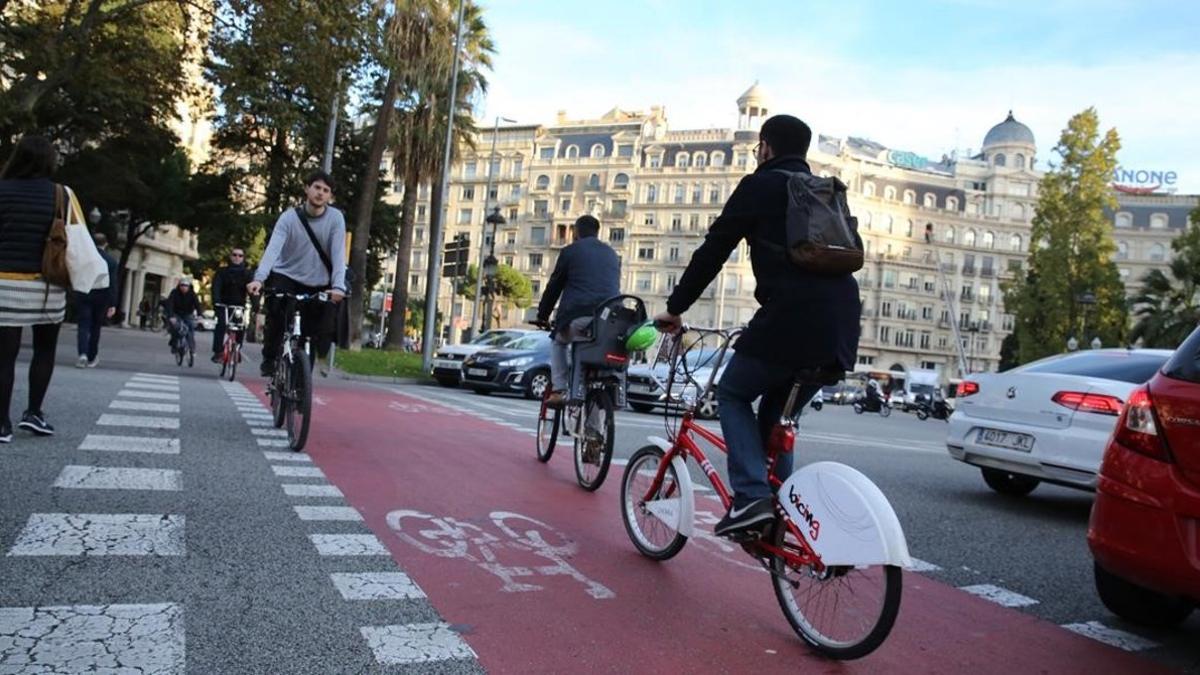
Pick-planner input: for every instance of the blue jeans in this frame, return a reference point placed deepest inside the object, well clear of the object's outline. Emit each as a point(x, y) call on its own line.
point(745, 379)
point(190, 323)
point(91, 315)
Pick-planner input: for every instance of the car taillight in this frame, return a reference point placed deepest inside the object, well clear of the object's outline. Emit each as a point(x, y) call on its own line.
point(968, 388)
point(1101, 404)
point(616, 358)
point(1137, 429)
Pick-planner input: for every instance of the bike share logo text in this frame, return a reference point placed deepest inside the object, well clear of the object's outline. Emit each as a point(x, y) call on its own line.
point(806, 514)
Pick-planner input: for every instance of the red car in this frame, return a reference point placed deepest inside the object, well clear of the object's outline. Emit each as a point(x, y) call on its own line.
point(1145, 526)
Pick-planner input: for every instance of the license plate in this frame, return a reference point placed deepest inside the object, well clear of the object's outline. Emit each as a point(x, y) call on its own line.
point(477, 372)
point(1006, 439)
point(639, 389)
point(442, 363)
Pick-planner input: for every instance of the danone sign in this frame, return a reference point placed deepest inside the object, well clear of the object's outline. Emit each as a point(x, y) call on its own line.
point(1143, 181)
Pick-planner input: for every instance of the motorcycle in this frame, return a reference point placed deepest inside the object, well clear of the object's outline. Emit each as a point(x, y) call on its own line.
point(817, 403)
point(937, 409)
point(874, 405)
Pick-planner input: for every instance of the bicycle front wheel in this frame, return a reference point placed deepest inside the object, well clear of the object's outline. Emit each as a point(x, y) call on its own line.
point(648, 521)
point(548, 423)
point(235, 355)
point(281, 383)
point(594, 447)
point(300, 401)
point(843, 612)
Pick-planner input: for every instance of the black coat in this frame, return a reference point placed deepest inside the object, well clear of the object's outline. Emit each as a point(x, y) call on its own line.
point(587, 273)
point(229, 285)
point(182, 304)
point(804, 319)
point(26, 212)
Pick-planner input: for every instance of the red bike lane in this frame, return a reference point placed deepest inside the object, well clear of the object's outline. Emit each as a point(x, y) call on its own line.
point(540, 576)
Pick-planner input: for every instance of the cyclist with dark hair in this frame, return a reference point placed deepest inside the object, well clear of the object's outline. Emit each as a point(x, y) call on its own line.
point(587, 273)
point(805, 319)
point(306, 254)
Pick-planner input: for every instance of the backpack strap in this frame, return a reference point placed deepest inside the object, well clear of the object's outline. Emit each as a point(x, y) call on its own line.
point(316, 244)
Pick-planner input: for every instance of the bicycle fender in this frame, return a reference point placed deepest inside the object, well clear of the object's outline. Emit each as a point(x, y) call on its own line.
point(845, 517)
point(687, 502)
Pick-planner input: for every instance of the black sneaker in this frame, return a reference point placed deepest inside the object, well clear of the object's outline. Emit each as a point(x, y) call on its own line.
point(34, 422)
point(6, 432)
point(748, 520)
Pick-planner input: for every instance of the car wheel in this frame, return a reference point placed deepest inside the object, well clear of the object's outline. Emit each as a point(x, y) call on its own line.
point(1009, 483)
point(1137, 604)
point(535, 386)
point(447, 381)
point(707, 407)
point(642, 407)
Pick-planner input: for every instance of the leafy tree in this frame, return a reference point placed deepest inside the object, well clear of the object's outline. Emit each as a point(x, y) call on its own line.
point(1167, 309)
point(1009, 352)
point(1070, 259)
point(512, 287)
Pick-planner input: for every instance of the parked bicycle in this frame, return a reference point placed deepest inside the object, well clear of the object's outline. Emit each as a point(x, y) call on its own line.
point(597, 386)
point(231, 348)
point(290, 389)
point(835, 549)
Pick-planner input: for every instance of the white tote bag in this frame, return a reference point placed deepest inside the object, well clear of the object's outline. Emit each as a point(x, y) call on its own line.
point(88, 269)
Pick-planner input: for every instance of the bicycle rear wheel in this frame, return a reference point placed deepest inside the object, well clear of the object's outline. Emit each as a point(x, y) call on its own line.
point(841, 612)
point(178, 357)
point(299, 401)
point(653, 535)
point(594, 447)
point(549, 420)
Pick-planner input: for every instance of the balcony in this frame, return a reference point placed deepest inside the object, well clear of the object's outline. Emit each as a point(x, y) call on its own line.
point(968, 270)
point(987, 272)
point(966, 297)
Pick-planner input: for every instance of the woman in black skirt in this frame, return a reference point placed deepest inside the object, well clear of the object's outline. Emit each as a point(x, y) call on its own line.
point(26, 213)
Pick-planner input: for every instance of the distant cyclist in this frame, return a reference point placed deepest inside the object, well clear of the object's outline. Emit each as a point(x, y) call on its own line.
point(587, 273)
point(182, 306)
point(229, 288)
point(805, 320)
point(306, 254)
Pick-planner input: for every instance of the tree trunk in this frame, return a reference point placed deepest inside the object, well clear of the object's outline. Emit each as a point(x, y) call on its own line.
point(396, 322)
point(133, 232)
point(434, 257)
point(275, 170)
point(362, 212)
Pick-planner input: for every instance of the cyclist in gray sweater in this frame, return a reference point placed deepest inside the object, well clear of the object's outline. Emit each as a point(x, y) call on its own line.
point(293, 263)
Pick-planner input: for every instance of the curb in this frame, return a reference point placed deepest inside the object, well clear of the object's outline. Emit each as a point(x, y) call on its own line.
point(382, 379)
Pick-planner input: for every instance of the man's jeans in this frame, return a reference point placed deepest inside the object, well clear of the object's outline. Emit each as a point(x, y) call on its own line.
point(745, 379)
point(190, 323)
point(91, 312)
point(559, 368)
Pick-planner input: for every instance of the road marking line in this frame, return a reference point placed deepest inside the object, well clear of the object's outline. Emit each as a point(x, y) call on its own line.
point(260, 423)
point(152, 386)
point(74, 476)
point(415, 643)
point(257, 415)
point(156, 375)
point(1111, 636)
point(155, 379)
point(141, 421)
point(297, 471)
point(143, 406)
point(95, 534)
point(94, 638)
point(327, 513)
point(282, 433)
point(300, 490)
point(376, 586)
point(347, 544)
point(273, 442)
point(1000, 596)
point(162, 446)
point(286, 456)
point(919, 565)
point(156, 395)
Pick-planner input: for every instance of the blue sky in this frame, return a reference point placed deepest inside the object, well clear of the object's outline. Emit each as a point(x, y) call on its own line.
point(922, 75)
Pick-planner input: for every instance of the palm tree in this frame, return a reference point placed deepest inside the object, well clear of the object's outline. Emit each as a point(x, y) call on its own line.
point(1166, 309)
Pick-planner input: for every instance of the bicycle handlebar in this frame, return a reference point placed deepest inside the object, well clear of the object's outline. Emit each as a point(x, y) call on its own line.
point(321, 296)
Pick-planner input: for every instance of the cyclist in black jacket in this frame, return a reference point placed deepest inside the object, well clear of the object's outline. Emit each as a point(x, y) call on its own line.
point(183, 305)
point(229, 288)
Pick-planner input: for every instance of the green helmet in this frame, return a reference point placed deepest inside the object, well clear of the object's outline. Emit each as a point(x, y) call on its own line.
point(642, 338)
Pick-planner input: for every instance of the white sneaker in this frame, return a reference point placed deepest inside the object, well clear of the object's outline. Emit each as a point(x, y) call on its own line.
point(82, 362)
point(94, 362)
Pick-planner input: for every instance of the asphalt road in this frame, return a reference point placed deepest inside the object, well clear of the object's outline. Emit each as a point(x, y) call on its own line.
point(1033, 546)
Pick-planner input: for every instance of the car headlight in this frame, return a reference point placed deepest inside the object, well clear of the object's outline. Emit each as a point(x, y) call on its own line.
point(519, 361)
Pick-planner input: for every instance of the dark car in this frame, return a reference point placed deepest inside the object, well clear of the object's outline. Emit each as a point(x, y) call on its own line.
point(521, 366)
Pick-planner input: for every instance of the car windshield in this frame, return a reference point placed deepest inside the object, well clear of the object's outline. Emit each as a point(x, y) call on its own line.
point(536, 341)
point(493, 338)
point(1132, 367)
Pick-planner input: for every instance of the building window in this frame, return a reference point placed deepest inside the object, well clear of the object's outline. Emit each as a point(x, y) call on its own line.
point(693, 221)
point(464, 216)
point(1158, 221)
point(909, 229)
point(1018, 211)
point(568, 182)
point(864, 360)
point(468, 193)
point(681, 160)
point(644, 281)
point(969, 238)
point(625, 150)
point(718, 158)
point(670, 285)
point(651, 194)
point(1124, 219)
point(714, 194)
point(1016, 242)
point(742, 160)
point(618, 208)
point(929, 201)
point(597, 151)
point(697, 193)
point(541, 208)
point(951, 203)
point(537, 236)
point(1158, 253)
point(1122, 250)
point(421, 213)
point(948, 235)
point(1019, 161)
point(616, 235)
point(543, 182)
point(565, 205)
point(700, 160)
point(885, 309)
point(572, 152)
point(910, 197)
point(655, 161)
point(676, 222)
point(680, 192)
point(889, 193)
point(621, 182)
point(868, 189)
point(888, 223)
point(999, 159)
point(885, 334)
point(648, 221)
point(927, 313)
point(989, 239)
point(546, 152)
point(673, 253)
point(535, 261)
point(645, 252)
point(469, 169)
point(517, 166)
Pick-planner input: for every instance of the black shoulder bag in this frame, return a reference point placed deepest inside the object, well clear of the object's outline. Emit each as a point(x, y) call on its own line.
point(313, 238)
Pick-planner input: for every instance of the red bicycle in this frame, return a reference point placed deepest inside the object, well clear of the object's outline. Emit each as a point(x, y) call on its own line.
point(231, 350)
point(835, 548)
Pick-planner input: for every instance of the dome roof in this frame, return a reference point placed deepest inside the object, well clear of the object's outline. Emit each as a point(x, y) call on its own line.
point(1009, 132)
point(753, 96)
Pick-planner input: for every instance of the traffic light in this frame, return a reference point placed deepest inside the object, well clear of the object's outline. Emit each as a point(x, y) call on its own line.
point(455, 256)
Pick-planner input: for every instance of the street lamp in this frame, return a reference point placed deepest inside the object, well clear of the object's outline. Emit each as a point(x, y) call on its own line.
point(490, 267)
point(1087, 299)
point(492, 167)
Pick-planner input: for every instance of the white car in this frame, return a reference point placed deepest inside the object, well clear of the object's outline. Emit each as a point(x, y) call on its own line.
point(1048, 420)
point(447, 361)
point(646, 385)
point(207, 321)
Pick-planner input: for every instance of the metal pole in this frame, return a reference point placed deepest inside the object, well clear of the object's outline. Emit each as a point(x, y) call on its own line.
point(479, 268)
point(433, 274)
point(327, 163)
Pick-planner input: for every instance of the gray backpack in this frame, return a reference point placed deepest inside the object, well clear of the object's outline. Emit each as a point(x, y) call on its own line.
point(822, 236)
